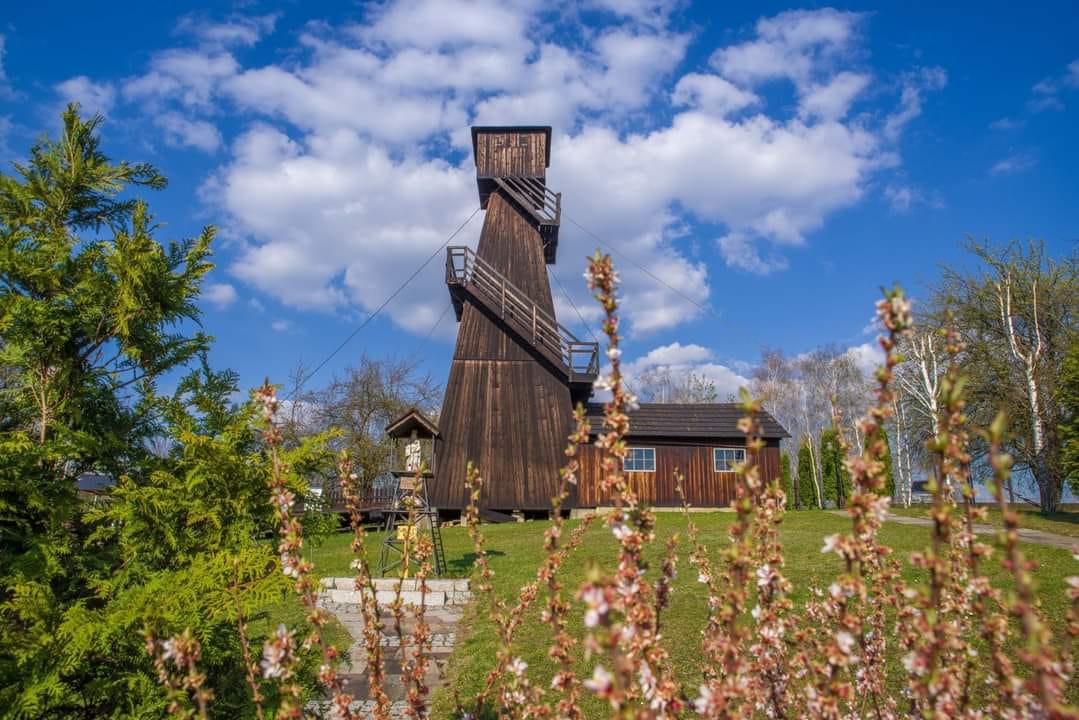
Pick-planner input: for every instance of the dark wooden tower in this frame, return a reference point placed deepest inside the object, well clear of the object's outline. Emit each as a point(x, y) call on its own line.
point(516, 371)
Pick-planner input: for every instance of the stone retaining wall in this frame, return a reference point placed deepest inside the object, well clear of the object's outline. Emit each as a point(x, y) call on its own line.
point(440, 591)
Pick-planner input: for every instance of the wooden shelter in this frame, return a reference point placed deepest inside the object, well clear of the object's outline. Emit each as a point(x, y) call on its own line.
point(517, 372)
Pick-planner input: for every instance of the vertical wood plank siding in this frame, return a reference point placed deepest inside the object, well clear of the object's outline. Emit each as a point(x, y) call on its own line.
point(511, 154)
point(703, 486)
point(503, 409)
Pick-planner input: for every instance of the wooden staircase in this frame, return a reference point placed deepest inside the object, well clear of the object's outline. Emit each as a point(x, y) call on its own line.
point(538, 202)
point(469, 275)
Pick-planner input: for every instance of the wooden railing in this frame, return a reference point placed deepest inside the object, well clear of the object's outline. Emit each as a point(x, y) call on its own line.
point(379, 497)
point(533, 195)
point(579, 360)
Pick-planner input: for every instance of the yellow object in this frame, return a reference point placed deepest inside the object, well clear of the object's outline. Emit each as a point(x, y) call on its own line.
point(406, 533)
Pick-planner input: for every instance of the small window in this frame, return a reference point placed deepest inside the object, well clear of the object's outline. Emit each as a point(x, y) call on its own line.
point(640, 460)
point(725, 458)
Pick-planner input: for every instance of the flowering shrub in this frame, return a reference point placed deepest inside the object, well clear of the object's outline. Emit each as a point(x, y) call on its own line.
point(966, 649)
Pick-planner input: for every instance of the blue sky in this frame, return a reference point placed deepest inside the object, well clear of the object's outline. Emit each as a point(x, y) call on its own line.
point(777, 165)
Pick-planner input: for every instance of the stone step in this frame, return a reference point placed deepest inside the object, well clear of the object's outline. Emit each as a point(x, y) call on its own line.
point(407, 584)
point(440, 592)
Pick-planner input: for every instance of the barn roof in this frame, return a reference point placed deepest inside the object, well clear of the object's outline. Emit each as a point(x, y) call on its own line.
point(681, 420)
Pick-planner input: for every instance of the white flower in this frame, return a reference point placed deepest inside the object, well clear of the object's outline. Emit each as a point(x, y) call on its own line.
point(600, 681)
point(518, 667)
point(764, 575)
point(169, 649)
point(621, 531)
point(702, 577)
point(631, 402)
point(845, 641)
point(614, 353)
point(830, 543)
point(289, 565)
point(702, 703)
point(596, 603)
point(601, 383)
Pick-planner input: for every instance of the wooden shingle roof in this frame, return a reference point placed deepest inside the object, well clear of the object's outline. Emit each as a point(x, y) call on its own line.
point(680, 420)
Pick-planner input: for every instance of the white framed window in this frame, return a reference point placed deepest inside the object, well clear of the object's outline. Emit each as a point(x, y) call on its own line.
point(640, 459)
point(724, 458)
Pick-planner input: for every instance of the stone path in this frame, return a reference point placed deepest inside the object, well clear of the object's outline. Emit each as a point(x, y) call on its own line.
point(444, 607)
point(1038, 537)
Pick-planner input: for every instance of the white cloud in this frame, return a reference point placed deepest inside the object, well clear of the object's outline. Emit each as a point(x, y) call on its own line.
point(221, 295)
point(183, 132)
point(867, 357)
point(681, 360)
point(236, 31)
point(6, 90)
point(1004, 124)
point(915, 86)
point(647, 12)
point(191, 77)
point(335, 220)
point(93, 97)
point(281, 325)
point(711, 94)
point(900, 197)
point(832, 100)
point(336, 190)
point(1013, 164)
point(796, 44)
point(1046, 93)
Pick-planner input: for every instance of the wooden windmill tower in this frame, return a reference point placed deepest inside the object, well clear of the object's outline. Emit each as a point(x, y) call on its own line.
point(516, 372)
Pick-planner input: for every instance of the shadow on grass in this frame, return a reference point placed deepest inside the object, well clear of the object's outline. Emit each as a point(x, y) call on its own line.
point(463, 564)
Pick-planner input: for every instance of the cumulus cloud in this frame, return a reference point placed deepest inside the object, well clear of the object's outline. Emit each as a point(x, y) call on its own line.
point(184, 132)
point(236, 31)
point(92, 96)
point(353, 162)
point(683, 360)
point(221, 295)
point(711, 94)
point(867, 357)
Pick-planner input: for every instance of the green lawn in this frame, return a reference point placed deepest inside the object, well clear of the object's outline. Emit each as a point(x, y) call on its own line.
point(1064, 522)
point(516, 550)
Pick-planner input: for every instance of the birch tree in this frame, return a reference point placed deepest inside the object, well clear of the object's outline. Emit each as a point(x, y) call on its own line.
point(1017, 315)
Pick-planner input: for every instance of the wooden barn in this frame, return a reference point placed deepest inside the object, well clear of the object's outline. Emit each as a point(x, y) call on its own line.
point(517, 372)
point(702, 441)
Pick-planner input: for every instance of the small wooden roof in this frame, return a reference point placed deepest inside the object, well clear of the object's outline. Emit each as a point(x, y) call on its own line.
point(688, 420)
point(412, 420)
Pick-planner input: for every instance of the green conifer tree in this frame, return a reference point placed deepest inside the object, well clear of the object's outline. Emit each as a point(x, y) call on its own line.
point(807, 489)
point(785, 478)
point(834, 476)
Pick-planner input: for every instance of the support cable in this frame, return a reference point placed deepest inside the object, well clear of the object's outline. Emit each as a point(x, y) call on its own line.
point(431, 332)
point(381, 307)
point(574, 306)
point(703, 308)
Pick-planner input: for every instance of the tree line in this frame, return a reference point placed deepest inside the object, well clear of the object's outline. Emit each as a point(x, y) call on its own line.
point(1015, 315)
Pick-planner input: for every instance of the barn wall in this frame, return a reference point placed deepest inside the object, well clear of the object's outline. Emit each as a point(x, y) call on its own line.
point(702, 485)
